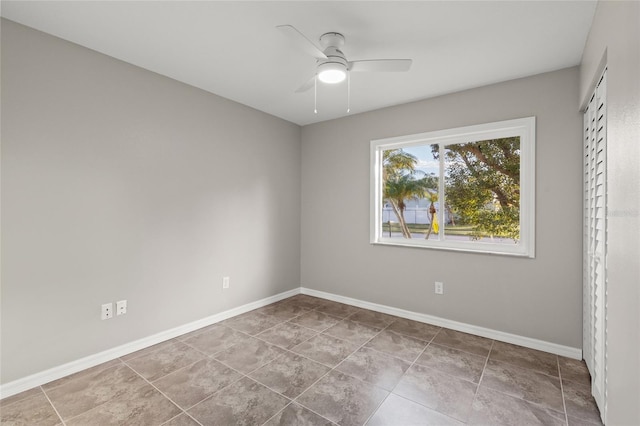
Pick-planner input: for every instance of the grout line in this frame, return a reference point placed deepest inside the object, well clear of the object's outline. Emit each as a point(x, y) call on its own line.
point(234, 369)
point(414, 361)
point(334, 368)
point(97, 406)
point(373, 413)
point(458, 349)
point(564, 404)
point(204, 356)
point(316, 330)
point(193, 418)
point(452, 419)
point(176, 404)
point(242, 376)
point(52, 406)
point(266, 363)
point(89, 410)
point(291, 400)
point(189, 408)
point(394, 356)
point(154, 386)
point(511, 363)
point(176, 416)
point(486, 362)
point(280, 322)
point(520, 367)
point(330, 367)
point(359, 347)
point(363, 345)
point(278, 412)
point(539, 405)
point(411, 364)
point(257, 336)
point(203, 353)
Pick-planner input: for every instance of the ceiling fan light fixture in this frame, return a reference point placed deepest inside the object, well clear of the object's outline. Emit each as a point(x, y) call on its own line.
point(332, 72)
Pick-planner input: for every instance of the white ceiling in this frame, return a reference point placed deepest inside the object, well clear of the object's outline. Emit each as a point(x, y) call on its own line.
point(233, 49)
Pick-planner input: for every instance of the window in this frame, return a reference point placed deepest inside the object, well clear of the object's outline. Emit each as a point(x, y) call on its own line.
point(467, 189)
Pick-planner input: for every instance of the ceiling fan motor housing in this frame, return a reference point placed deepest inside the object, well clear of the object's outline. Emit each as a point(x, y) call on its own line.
point(334, 55)
point(331, 39)
point(331, 42)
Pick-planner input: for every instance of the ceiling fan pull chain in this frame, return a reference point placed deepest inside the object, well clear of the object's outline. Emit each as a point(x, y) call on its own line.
point(348, 92)
point(315, 94)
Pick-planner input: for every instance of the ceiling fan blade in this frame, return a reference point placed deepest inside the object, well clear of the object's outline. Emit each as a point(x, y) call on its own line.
point(302, 41)
point(306, 86)
point(381, 65)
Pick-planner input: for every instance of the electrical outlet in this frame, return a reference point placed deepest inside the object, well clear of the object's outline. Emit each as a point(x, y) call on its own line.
point(439, 287)
point(107, 311)
point(121, 307)
point(225, 282)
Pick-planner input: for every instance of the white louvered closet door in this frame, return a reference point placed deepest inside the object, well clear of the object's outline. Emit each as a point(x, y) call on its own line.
point(595, 241)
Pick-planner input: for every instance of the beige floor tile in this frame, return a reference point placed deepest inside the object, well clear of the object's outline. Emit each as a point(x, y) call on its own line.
point(352, 331)
point(33, 410)
point(181, 420)
point(170, 358)
point(398, 345)
point(342, 399)
point(325, 349)
point(296, 415)
point(289, 374)
point(542, 362)
point(245, 402)
point(579, 402)
point(190, 385)
point(443, 393)
point(523, 383)
point(250, 355)
point(463, 341)
point(287, 335)
point(316, 320)
point(92, 390)
point(377, 368)
point(574, 370)
point(457, 363)
point(398, 411)
point(418, 330)
point(144, 406)
point(216, 339)
point(495, 408)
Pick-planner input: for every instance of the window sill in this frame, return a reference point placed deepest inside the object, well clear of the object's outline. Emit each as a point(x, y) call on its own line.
point(491, 249)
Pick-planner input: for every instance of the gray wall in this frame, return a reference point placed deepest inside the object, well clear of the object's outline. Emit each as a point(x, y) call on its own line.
point(118, 183)
point(614, 40)
point(539, 298)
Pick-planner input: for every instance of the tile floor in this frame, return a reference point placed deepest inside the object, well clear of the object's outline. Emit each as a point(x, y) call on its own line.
point(309, 361)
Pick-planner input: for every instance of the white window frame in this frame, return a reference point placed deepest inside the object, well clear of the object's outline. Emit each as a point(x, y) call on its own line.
point(522, 127)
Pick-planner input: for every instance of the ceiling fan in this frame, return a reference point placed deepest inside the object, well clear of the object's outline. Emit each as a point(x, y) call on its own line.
point(331, 64)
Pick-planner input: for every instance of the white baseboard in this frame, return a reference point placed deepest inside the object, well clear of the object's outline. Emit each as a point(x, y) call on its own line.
point(58, 372)
point(515, 339)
